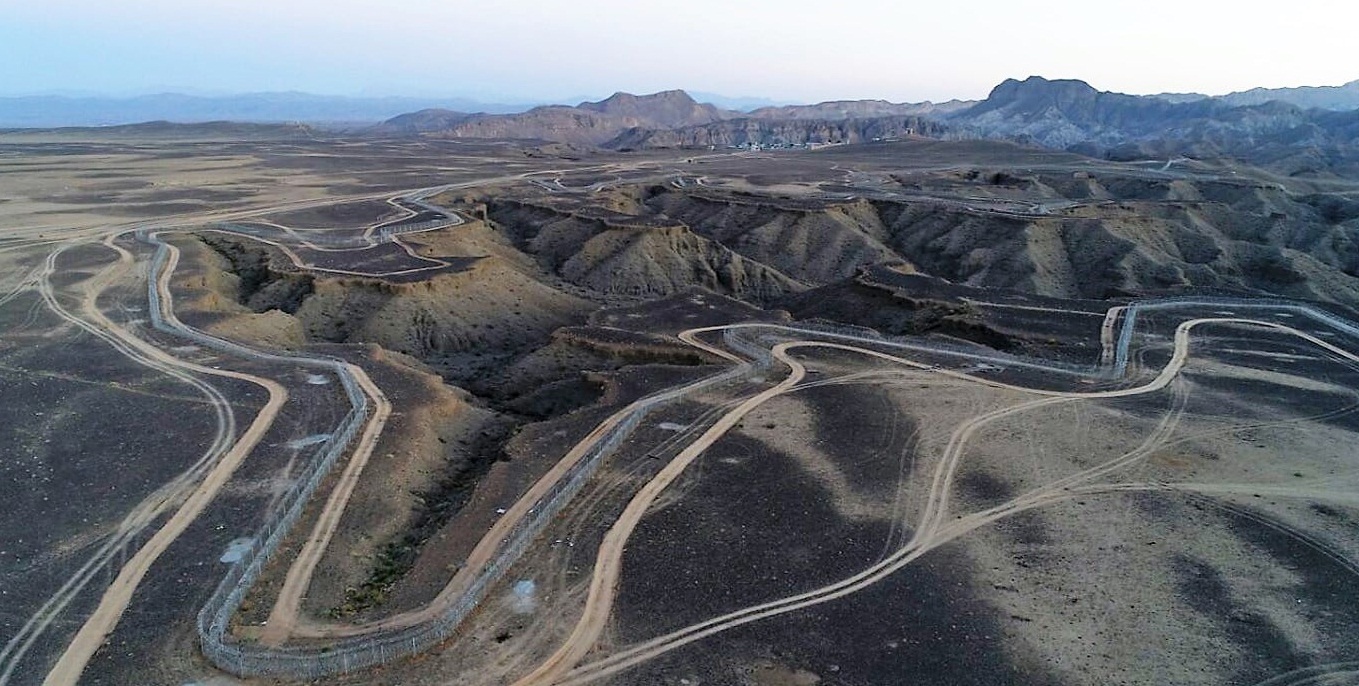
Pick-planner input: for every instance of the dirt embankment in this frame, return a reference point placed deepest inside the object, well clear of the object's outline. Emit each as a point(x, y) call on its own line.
point(1082, 234)
point(862, 302)
point(431, 455)
point(1085, 236)
point(458, 322)
point(490, 306)
point(237, 293)
point(813, 244)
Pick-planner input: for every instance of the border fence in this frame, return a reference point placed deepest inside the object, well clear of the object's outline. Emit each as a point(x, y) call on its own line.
point(248, 659)
point(349, 654)
point(382, 233)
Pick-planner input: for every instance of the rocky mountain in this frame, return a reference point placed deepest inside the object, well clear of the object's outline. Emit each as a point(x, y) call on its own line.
point(736, 132)
point(1061, 114)
point(674, 119)
point(423, 121)
point(1072, 115)
point(1064, 113)
point(1344, 97)
point(836, 110)
point(589, 123)
point(54, 111)
point(671, 108)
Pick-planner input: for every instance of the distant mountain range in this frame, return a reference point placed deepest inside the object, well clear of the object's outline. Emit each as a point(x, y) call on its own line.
point(1074, 116)
point(1062, 114)
point(51, 111)
point(1291, 130)
point(669, 119)
point(46, 111)
point(858, 109)
point(1344, 97)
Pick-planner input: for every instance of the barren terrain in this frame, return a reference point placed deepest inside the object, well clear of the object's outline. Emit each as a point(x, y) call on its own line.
point(435, 411)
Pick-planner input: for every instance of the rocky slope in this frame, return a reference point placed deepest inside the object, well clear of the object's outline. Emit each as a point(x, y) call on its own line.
point(1127, 235)
point(423, 121)
point(735, 132)
point(648, 119)
point(858, 109)
point(1064, 113)
point(589, 123)
point(1343, 97)
point(1073, 115)
point(639, 257)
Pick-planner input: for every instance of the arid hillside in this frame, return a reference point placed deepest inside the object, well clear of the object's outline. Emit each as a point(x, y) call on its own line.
point(1082, 236)
point(589, 123)
point(542, 257)
point(1303, 132)
point(514, 381)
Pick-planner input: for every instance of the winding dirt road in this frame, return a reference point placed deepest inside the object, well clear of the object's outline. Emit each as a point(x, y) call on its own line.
point(934, 530)
point(115, 599)
point(190, 493)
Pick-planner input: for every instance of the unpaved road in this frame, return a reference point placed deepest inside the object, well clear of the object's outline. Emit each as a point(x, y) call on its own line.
point(562, 666)
point(935, 528)
point(283, 618)
point(116, 597)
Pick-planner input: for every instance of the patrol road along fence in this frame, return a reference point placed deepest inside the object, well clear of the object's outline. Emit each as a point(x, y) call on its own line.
point(382, 233)
point(314, 661)
point(306, 662)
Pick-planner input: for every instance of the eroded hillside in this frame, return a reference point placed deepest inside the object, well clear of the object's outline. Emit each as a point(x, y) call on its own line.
point(557, 299)
point(1072, 234)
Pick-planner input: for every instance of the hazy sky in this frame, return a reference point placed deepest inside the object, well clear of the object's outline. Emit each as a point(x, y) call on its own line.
point(787, 50)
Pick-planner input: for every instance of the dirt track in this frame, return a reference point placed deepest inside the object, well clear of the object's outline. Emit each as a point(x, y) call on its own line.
point(935, 528)
point(283, 617)
point(564, 664)
point(115, 600)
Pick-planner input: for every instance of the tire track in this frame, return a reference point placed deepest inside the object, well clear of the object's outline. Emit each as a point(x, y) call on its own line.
point(933, 532)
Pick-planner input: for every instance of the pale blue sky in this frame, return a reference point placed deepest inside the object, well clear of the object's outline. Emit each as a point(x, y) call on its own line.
point(791, 50)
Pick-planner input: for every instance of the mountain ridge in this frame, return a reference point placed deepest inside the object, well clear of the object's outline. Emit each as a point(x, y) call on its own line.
point(1072, 115)
point(1063, 114)
point(1341, 98)
point(588, 123)
point(49, 111)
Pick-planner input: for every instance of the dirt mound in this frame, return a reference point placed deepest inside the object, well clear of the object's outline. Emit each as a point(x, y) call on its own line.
point(813, 245)
point(489, 306)
point(861, 302)
point(635, 257)
point(226, 296)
